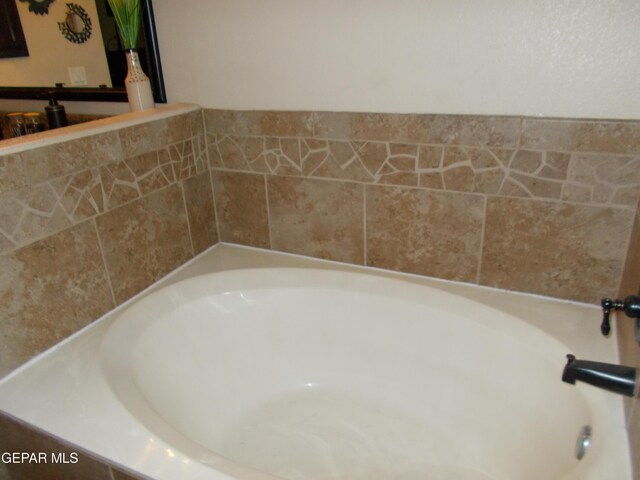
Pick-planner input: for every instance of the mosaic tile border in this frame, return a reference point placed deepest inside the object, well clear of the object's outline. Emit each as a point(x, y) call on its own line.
point(589, 178)
point(52, 188)
point(33, 212)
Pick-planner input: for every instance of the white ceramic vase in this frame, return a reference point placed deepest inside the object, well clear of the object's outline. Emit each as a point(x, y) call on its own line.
point(137, 83)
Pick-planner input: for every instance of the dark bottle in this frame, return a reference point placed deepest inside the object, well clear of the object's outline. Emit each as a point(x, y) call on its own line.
point(56, 115)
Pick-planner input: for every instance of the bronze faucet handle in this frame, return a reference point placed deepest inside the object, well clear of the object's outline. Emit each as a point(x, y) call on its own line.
point(608, 305)
point(630, 306)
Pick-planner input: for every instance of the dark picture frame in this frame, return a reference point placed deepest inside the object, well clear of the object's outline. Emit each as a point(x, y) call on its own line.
point(118, 94)
point(12, 41)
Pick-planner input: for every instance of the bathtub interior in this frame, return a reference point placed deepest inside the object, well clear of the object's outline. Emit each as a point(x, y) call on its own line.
point(306, 374)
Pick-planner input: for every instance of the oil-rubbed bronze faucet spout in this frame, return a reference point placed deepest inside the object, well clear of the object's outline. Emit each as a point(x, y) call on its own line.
point(615, 378)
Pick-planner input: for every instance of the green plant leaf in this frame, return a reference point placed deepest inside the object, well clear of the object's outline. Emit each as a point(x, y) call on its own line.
point(127, 15)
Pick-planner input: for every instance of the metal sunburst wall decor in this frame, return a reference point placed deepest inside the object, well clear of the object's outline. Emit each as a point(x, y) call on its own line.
point(39, 7)
point(77, 25)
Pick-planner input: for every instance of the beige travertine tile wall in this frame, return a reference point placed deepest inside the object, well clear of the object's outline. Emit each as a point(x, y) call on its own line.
point(86, 224)
point(535, 205)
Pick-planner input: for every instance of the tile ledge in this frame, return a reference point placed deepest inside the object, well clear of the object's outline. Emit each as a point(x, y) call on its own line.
point(51, 137)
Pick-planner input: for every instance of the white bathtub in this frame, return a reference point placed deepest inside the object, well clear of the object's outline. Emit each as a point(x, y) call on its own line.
point(308, 373)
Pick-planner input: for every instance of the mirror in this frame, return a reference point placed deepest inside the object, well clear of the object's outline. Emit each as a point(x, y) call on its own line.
point(75, 50)
point(77, 26)
point(39, 7)
point(12, 42)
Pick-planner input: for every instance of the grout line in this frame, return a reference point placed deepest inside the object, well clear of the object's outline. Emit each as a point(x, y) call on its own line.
point(210, 172)
point(520, 132)
point(104, 261)
point(186, 211)
point(215, 210)
point(266, 193)
point(364, 221)
point(111, 472)
point(204, 122)
point(482, 233)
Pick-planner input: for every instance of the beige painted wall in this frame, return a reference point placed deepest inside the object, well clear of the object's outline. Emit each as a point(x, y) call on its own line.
point(562, 58)
point(50, 53)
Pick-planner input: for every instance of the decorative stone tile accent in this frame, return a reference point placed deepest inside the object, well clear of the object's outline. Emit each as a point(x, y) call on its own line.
point(241, 208)
point(559, 250)
point(144, 240)
point(31, 213)
point(603, 179)
point(48, 290)
point(237, 153)
point(582, 178)
point(198, 197)
point(182, 156)
point(36, 211)
point(319, 218)
point(333, 159)
point(201, 156)
point(423, 232)
point(155, 170)
point(81, 195)
point(213, 147)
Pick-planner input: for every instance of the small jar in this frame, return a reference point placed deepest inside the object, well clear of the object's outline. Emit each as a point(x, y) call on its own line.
point(32, 122)
point(16, 124)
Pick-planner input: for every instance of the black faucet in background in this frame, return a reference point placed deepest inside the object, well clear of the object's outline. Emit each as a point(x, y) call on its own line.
point(615, 378)
point(630, 306)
